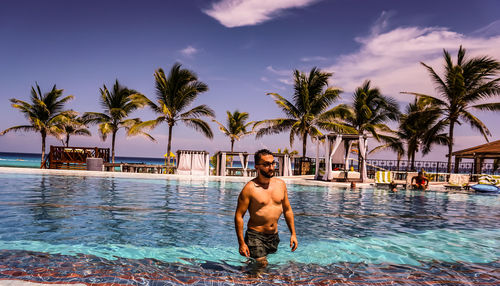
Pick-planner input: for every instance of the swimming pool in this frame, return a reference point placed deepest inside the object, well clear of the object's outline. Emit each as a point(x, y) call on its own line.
point(147, 231)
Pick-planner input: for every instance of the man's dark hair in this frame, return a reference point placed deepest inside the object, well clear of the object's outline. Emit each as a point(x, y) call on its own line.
point(259, 154)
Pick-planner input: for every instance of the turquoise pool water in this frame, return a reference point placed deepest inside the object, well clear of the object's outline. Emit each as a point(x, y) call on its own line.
point(366, 234)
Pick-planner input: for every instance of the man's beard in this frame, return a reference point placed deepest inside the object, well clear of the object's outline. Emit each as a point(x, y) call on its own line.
point(268, 175)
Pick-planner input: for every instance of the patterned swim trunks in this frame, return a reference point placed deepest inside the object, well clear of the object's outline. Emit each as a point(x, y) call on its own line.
point(261, 244)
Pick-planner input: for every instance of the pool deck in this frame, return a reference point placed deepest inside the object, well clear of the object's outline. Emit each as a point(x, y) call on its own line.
point(300, 180)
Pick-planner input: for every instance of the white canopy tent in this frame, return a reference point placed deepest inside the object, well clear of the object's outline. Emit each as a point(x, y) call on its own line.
point(196, 163)
point(337, 151)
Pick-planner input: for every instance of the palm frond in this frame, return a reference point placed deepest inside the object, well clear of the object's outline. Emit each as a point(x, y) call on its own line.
point(19, 128)
point(200, 126)
point(198, 111)
point(273, 126)
point(286, 106)
point(475, 123)
point(488, 106)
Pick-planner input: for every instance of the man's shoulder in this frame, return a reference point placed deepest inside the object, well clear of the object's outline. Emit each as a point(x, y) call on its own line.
point(279, 182)
point(249, 186)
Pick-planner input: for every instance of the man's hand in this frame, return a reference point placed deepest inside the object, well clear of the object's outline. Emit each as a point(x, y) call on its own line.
point(244, 250)
point(293, 242)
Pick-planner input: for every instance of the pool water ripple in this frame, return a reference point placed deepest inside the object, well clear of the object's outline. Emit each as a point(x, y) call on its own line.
point(342, 233)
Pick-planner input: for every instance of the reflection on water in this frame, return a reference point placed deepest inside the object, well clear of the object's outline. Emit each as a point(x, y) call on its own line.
point(350, 233)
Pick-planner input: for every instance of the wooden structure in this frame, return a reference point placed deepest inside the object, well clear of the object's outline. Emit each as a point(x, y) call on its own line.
point(61, 157)
point(139, 168)
point(283, 169)
point(223, 170)
point(478, 154)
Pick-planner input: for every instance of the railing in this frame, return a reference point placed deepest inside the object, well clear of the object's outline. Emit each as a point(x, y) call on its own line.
point(429, 166)
point(304, 166)
point(436, 169)
point(74, 157)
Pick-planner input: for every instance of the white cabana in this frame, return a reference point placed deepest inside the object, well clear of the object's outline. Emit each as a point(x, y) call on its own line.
point(337, 151)
point(223, 170)
point(284, 165)
point(196, 163)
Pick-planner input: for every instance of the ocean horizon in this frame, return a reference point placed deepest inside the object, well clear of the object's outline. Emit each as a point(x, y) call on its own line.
point(33, 160)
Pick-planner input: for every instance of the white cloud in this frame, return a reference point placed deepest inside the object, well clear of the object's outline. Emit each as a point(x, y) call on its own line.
point(314, 59)
point(264, 79)
point(189, 51)
point(391, 60)
point(279, 72)
point(285, 81)
point(237, 13)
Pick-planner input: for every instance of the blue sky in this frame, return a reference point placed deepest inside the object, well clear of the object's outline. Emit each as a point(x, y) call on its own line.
point(241, 49)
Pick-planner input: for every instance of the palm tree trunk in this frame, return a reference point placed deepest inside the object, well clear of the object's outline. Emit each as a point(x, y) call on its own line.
point(113, 137)
point(304, 144)
point(67, 140)
point(413, 160)
point(450, 144)
point(169, 145)
point(232, 148)
point(44, 136)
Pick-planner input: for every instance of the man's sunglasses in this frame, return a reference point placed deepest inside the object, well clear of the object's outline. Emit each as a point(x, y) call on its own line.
point(268, 164)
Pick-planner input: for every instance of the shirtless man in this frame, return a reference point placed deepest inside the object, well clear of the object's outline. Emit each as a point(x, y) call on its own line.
point(265, 198)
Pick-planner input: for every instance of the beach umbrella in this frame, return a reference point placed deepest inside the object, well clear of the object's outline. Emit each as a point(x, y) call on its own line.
point(172, 155)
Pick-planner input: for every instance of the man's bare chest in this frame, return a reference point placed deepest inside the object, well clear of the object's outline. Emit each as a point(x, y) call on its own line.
point(267, 197)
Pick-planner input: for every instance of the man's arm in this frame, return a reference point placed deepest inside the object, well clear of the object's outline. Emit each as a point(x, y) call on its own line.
point(241, 209)
point(288, 213)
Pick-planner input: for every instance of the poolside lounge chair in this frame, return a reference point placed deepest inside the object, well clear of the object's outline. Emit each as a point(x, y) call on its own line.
point(458, 181)
point(489, 180)
point(383, 178)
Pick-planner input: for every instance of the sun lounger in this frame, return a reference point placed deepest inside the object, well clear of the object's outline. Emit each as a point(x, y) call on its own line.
point(383, 178)
point(458, 181)
point(489, 180)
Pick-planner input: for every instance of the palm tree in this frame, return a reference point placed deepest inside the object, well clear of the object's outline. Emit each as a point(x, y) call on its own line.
point(174, 95)
point(419, 129)
point(236, 127)
point(118, 104)
point(370, 110)
point(308, 113)
point(73, 126)
point(44, 113)
point(464, 85)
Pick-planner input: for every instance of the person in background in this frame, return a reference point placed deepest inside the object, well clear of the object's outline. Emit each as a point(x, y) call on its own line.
point(421, 182)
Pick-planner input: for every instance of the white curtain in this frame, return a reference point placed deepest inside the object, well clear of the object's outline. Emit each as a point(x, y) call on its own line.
point(348, 153)
point(339, 156)
point(328, 157)
point(244, 164)
point(316, 173)
point(363, 147)
point(287, 166)
point(280, 166)
point(184, 167)
point(198, 166)
point(223, 165)
point(207, 164)
point(328, 164)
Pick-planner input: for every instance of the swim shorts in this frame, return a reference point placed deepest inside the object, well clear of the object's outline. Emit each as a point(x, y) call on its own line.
point(261, 244)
